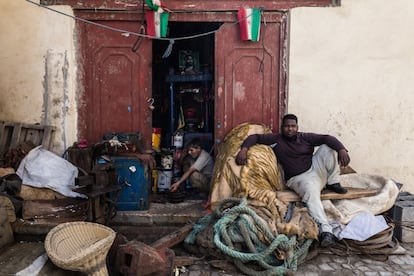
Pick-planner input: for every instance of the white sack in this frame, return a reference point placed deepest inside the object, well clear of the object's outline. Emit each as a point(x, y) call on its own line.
point(344, 210)
point(44, 169)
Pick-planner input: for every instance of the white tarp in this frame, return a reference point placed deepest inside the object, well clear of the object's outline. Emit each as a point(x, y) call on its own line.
point(342, 211)
point(43, 169)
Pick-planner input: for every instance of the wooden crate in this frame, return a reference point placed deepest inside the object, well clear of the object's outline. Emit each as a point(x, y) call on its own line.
point(13, 134)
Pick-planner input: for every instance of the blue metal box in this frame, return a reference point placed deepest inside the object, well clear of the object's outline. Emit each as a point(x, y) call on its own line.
point(133, 175)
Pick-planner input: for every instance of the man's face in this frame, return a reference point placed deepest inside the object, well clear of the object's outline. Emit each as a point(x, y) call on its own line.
point(194, 152)
point(289, 128)
point(189, 60)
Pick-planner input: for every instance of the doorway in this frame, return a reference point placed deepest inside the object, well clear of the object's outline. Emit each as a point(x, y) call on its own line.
point(245, 81)
point(183, 84)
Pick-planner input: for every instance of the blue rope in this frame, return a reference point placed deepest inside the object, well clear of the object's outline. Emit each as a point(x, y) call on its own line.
point(198, 227)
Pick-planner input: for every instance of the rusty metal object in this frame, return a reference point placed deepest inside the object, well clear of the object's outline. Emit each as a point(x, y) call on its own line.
point(139, 259)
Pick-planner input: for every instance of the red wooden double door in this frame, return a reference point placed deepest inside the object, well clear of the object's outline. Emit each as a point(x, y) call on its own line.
point(249, 77)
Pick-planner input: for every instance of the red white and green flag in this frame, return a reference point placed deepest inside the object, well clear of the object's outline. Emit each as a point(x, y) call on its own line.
point(154, 4)
point(249, 20)
point(157, 23)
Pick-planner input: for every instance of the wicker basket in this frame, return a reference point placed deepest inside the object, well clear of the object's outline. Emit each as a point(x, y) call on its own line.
point(80, 246)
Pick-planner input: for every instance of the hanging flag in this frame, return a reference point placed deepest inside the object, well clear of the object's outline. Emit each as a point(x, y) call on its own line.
point(157, 23)
point(154, 5)
point(249, 20)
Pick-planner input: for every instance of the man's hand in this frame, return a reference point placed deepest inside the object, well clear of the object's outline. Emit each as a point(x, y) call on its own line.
point(174, 187)
point(343, 158)
point(241, 158)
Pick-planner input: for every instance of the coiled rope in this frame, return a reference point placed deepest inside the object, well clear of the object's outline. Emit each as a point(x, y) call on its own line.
point(274, 255)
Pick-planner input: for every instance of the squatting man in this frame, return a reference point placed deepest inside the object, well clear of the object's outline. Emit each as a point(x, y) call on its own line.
point(305, 173)
point(198, 167)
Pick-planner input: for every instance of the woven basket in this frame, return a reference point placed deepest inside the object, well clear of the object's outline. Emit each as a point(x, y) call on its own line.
point(80, 246)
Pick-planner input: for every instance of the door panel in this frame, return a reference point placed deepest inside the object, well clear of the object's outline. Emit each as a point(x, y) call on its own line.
point(118, 82)
point(248, 75)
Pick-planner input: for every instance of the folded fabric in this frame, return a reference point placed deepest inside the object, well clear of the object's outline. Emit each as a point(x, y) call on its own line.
point(363, 226)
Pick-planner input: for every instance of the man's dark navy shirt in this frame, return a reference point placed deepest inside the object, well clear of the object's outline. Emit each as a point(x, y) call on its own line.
point(294, 155)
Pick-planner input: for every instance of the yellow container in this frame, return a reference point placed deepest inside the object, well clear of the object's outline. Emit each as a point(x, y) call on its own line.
point(156, 139)
point(154, 180)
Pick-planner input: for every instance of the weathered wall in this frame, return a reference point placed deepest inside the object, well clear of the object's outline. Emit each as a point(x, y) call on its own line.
point(37, 72)
point(351, 75)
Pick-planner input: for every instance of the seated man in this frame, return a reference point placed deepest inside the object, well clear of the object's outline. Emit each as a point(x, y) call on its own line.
point(198, 167)
point(305, 173)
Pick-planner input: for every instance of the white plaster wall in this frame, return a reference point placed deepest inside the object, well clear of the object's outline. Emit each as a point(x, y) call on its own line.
point(351, 75)
point(37, 72)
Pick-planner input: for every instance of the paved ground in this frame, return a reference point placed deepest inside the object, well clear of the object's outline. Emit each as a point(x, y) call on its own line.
point(319, 263)
point(400, 262)
point(326, 264)
point(331, 264)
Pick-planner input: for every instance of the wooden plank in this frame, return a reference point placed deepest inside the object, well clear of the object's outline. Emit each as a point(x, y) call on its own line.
point(31, 126)
point(15, 138)
point(291, 196)
point(48, 135)
point(3, 138)
point(92, 191)
point(173, 238)
point(31, 134)
point(61, 209)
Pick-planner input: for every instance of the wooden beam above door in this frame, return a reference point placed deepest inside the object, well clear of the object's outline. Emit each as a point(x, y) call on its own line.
point(194, 5)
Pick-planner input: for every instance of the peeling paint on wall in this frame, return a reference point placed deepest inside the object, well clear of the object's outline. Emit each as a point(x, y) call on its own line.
point(239, 91)
point(55, 96)
point(38, 70)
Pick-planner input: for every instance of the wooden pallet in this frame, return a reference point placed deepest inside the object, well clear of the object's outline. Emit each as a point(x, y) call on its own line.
point(13, 134)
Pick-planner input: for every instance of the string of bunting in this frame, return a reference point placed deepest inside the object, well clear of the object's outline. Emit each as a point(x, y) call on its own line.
point(157, 23)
